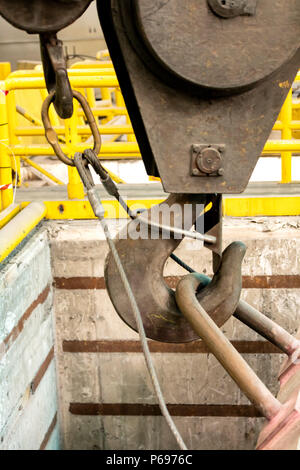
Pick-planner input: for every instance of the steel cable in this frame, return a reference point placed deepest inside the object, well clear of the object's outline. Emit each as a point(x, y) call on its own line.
point(143, 339)
point(99, 212)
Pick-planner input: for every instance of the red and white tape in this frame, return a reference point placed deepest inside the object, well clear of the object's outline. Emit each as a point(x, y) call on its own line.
point(5, 186)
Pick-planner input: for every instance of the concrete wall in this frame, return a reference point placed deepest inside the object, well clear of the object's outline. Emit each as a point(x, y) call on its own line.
point(28, 404)
point(106, 398)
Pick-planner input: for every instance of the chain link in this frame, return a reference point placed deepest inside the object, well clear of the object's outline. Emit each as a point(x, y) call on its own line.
point(51, 135)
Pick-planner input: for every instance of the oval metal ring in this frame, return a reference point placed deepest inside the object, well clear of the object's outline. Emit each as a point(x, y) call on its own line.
point(51, 135)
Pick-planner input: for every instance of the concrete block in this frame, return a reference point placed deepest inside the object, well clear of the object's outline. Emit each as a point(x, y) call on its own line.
point(79, 248)
point(88, 315)
point(184, 378)
point(22, 279)
point(270, 254)
point(152, 433)
point(21, 363)
point(36, 416)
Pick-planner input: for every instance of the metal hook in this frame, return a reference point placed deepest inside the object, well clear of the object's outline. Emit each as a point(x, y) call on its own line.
point(143, 260)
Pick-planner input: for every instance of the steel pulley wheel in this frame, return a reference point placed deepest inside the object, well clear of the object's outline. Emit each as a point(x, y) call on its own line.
point(40, 16)
point(189, 41)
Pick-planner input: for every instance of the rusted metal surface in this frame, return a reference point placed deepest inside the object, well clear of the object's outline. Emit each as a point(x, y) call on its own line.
point(46, 18)
point(248, 282)
point(268, 329)
point(144, 260)
point(132, 346)
point(56, 75)
point(42, 370)
point(40, 16)
point(276, 281)
point(233, 8)
point(82, 283)
point(223, 350)
point(49, 433)
point(207, 160)
point(51, 135)
point(214, 66)
point(146, 409)
point(175, 59)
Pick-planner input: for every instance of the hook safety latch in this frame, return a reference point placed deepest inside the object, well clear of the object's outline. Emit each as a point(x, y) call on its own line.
point(56, 75)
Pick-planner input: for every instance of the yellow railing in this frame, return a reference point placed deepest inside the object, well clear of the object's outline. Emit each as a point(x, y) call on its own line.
point(95, 80)
point(73, 132)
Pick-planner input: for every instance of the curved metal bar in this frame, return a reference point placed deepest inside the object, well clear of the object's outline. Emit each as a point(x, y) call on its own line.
point(268, 329)
point(144, 259)
point(263, 325)
point(222, 349)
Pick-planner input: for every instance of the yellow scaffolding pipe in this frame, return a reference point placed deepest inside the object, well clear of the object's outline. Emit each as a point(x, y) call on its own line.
point(261, 206)
point(102, 54)
point(115, 150)
point(112, 111)
point(7, 214)
point(76, 82)
point(71, 72)
point(5, 70)
point(294, 126)
point(14, 232)
point(286, 134)
point(82, 130)
point(109, 150)
point(279, 146)
point(93, 64)
point(12, 124)
point(75, 186)
point(6, 195)
point(41, 170)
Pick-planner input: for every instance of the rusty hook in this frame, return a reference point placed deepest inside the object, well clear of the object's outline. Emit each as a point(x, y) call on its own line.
point(143, 260)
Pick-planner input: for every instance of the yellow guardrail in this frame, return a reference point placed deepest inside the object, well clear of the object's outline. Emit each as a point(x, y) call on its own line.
point(96, 80)
point(73, 133)
point(19, 227)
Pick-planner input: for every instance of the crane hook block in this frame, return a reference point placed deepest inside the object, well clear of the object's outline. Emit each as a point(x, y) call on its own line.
point(205, 74)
